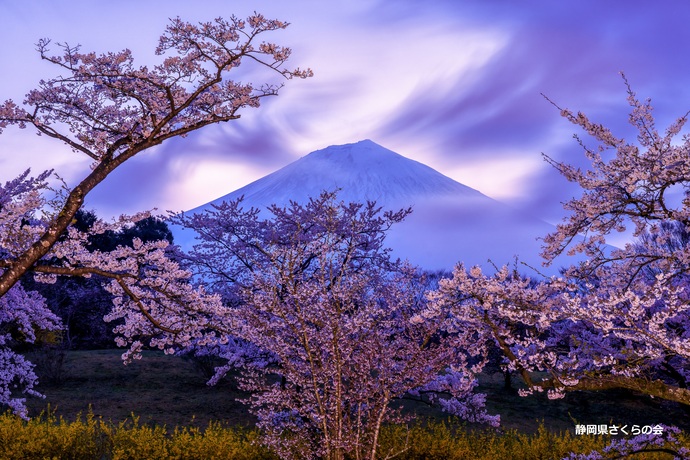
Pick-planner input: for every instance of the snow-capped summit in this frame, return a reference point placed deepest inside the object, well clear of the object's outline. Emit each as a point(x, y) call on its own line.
point(450, 222)
point(363, 170)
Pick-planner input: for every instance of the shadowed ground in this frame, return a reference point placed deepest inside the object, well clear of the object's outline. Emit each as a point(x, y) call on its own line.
point(172, 391)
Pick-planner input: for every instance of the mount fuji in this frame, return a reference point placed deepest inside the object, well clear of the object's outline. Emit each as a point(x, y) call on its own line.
point(450, 222)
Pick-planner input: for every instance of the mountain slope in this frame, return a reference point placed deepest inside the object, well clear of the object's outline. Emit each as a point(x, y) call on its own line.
point(450, 222)
point(361, 170)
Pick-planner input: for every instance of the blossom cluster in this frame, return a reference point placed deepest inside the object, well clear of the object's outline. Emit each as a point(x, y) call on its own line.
point(110, 105)
point(106, 107)
point(22, 313)
point(620, 318)
point(327, 319)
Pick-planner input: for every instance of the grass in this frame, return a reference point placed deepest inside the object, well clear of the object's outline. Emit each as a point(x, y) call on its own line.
point(618, 407)
point(170, 391)
point(90, 438)
point(163, 390)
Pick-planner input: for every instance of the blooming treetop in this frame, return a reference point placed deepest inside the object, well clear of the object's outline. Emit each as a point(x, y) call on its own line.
point(145, 282)
point(338, 323)
point(110, 110)
point(635, 298)
point(620, 319)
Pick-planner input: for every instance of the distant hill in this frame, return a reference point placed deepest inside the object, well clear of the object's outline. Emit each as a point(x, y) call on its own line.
point(450, 223)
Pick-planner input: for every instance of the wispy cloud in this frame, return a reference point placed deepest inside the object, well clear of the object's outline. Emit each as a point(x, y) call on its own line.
point(456, 85)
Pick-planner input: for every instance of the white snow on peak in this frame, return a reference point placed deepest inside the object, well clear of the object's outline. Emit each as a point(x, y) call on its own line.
point(450, 222)
point(363, 170)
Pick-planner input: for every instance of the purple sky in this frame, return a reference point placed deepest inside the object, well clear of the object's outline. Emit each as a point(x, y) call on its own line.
point(453, 84)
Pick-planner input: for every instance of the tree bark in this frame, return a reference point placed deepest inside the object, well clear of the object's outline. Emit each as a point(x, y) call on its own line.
point(17, 267)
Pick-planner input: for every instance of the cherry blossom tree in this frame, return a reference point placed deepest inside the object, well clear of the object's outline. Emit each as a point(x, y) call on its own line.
point(110, 110)
point(635, 297)
point(333, 324)
point(82, 302)
point(106, 108)
point(621, 318)
point(144, 280)
point(22, 313)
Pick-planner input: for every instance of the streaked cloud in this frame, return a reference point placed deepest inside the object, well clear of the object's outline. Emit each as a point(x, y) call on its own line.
point(454, 84)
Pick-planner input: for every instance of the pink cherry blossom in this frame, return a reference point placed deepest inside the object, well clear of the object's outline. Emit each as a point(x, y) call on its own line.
point(331, 325)
point(109, 109)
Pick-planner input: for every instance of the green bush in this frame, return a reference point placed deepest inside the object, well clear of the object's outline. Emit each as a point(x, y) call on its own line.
point(47, 437)
point(446, 441)
point(216, 442)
